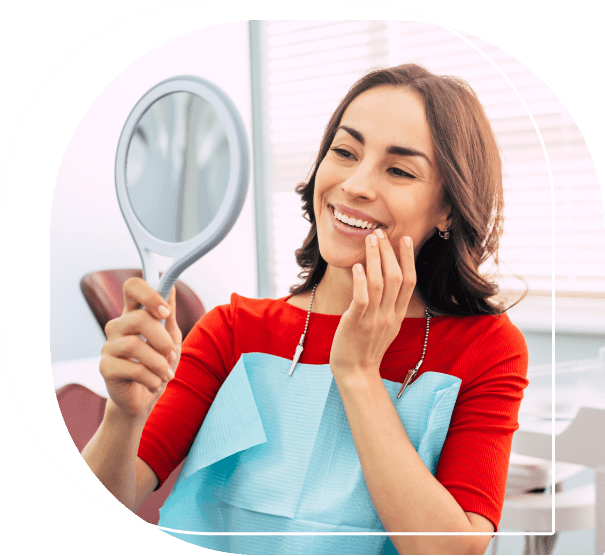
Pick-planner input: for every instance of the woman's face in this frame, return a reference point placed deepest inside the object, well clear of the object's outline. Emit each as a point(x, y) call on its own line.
point(380, 169)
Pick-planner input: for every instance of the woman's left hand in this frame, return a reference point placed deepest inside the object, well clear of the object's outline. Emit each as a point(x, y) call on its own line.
point(380, 302)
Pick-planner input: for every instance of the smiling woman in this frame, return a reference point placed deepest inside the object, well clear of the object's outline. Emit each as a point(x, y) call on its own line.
point(414, 153)
point(401, 400)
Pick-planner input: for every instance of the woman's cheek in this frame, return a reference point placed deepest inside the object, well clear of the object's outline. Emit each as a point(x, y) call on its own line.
point(320, 174)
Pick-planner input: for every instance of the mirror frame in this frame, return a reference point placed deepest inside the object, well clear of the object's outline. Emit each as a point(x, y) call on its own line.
point(186, 252)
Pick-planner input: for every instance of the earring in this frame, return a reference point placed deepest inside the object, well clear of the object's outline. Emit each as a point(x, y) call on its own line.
point(445, 234)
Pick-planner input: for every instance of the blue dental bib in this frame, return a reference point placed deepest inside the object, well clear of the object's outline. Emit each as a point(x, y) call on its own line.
point(275, 454)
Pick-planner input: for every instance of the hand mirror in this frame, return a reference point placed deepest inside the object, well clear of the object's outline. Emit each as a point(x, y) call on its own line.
point(182, 172)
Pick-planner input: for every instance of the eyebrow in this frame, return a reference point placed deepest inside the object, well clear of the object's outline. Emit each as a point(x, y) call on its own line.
point(391, 149)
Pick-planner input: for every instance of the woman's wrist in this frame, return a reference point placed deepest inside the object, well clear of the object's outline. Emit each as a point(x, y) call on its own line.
point(355, 380)
point(117, 418)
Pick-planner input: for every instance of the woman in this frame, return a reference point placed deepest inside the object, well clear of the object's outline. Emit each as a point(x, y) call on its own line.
point(405, 204)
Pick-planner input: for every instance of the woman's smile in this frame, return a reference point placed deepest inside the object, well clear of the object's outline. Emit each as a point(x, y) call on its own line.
point(352, 230)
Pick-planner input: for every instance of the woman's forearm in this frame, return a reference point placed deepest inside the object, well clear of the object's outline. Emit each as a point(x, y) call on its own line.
point(111, 453)
point(405, 494)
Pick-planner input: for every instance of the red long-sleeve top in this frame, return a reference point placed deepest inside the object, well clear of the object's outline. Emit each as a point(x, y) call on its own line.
point(488, 354)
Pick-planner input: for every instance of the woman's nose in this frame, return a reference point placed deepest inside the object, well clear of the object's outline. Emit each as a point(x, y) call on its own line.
point(361, 183)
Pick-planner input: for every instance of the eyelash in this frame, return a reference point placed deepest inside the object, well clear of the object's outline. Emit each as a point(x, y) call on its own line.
point(343, 153)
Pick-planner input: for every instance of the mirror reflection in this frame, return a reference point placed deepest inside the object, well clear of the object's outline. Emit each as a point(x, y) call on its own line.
point(177, 167)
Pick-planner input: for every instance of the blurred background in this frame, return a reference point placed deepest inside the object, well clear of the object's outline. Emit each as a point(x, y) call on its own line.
point(286, 78)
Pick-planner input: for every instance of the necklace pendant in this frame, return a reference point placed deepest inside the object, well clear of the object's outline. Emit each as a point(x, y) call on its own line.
point(297, 353)
point(407, 380)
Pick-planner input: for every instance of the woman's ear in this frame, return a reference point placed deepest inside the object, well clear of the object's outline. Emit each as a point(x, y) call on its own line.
point(446, 218)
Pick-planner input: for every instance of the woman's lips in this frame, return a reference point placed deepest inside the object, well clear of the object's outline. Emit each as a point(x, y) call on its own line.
point(345, 228)
point(357, 214)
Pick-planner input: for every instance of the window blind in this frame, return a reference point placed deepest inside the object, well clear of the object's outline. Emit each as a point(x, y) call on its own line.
point(309, 67)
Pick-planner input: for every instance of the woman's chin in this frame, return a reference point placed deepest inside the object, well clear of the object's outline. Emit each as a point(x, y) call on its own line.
point(343, 262)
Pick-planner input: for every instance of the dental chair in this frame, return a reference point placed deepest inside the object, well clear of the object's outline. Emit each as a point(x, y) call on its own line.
point(103, 293)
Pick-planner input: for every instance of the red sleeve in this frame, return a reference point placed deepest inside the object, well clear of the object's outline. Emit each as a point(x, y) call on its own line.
point(473, 465)
point(207, 357)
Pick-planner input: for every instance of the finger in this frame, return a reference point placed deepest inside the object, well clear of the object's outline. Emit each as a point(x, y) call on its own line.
point(133, 347)
point(373, 275)
point(137, 292)
point(391, 274)
point(360, 293)
point(171, 323)
point(141, 323)
point(114, 369)
point(408, 271)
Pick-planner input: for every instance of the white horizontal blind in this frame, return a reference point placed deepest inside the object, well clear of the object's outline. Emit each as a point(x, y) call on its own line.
point(312, 64)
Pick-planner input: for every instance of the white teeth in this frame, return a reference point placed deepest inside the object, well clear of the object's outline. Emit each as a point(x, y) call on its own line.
point(354, 221)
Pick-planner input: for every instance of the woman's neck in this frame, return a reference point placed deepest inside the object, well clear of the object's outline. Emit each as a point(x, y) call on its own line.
point(334, 294)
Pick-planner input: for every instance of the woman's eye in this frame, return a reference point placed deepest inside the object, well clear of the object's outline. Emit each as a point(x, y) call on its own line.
point(400, 173)
point(342, 153)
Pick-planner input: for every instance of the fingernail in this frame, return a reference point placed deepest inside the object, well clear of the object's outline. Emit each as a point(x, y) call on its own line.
point(358, 268)
point(407, 241)
point(164, 311)
point(172, 356)
point(379, 233)
point(373, 240)
point(170, 374)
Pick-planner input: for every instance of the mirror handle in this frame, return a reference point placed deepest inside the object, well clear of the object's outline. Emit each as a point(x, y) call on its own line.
point(166, 285)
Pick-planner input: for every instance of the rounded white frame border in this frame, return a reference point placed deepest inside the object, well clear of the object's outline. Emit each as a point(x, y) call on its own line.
point(360, 2)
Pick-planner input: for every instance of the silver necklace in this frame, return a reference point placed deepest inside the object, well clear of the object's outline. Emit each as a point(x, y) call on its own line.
point(299, 347)
point(411, 372)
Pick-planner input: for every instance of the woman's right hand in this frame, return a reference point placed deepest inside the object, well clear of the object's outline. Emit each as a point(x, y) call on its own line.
point(137, 371)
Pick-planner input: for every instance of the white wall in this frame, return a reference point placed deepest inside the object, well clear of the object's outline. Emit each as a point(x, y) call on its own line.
point(87, 229)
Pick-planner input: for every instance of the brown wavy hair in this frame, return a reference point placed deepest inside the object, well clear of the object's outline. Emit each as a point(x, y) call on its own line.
point(469, 161)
